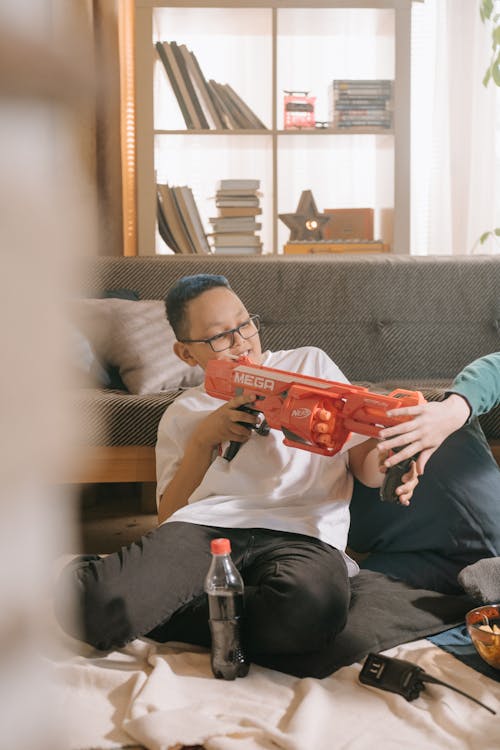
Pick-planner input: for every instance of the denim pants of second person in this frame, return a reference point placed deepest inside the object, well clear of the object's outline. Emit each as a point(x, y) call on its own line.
point(296, 593)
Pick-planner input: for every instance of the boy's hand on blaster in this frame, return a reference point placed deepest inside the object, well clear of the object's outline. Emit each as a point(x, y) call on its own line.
point(222, 424)
point(410, 479)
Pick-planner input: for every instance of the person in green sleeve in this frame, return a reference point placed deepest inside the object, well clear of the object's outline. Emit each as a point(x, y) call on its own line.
point(475, 390)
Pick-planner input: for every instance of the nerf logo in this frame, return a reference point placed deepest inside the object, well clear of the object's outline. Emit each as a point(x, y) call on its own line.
point(301, 413)
point(257, 381)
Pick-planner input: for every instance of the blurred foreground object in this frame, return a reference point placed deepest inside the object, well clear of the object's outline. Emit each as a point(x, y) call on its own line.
point(46, 224)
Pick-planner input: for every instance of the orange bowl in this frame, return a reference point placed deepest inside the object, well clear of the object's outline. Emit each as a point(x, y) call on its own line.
point(483, 626)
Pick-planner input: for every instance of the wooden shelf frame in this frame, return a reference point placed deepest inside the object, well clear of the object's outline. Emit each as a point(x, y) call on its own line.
point(401, 133)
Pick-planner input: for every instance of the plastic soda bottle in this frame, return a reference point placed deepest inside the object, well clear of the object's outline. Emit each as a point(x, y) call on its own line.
point(224, 586)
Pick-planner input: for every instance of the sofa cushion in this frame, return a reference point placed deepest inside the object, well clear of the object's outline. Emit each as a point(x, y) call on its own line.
point(135, 337)
point(117, 418)
point(453, 519)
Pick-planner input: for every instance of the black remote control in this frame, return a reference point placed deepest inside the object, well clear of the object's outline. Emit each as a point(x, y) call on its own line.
point(402, 677)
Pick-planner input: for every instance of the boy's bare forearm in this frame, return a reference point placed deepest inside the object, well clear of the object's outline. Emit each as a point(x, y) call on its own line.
point(223, 424)
point(364, 462)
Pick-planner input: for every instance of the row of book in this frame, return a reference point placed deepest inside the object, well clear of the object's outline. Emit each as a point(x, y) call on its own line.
point(234, 230)
point(179, 221)
point(362, 103)
point(205, 104)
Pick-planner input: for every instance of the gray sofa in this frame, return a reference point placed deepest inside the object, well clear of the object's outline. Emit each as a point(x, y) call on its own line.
point(387, 321)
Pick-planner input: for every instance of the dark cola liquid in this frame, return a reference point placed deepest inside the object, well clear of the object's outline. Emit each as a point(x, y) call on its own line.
point(228, 658)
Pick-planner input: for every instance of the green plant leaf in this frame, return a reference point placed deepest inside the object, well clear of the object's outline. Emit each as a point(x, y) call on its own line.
point(495, 70)
point(484, 237)
point(487, 8)
point(487, 77)
point(497, 231)
point(496, 36)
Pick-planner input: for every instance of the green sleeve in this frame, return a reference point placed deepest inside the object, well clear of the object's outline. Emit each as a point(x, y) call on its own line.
point(479, 384)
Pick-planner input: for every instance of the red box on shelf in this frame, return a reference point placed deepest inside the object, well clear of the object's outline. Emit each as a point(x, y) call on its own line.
point(299, 110)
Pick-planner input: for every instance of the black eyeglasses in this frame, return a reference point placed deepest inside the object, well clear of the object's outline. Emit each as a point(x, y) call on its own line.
point(225, 340)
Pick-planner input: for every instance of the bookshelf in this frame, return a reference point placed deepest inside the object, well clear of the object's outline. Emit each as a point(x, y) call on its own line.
point(264, 47)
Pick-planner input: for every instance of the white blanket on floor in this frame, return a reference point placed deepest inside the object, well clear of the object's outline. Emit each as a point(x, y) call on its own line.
point(163, 696)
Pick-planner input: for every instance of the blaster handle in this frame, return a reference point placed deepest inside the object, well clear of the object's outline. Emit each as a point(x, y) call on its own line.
point(234, 445)
point(393, 479)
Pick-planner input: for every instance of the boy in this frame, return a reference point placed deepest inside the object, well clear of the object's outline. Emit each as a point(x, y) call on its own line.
point(286, 511)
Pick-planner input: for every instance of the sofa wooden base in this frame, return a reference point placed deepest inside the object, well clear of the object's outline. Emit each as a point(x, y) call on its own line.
point(136, 463)
point(127, 463)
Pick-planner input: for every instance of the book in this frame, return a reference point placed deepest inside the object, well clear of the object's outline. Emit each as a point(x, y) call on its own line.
point(238, 250)
point(200, 119)
point(382, 105)
point(238, 184)
point(228, 211)
point(200, 83)
point(252, 120)
point(196, 219)
point(296, 248)
point(163, 227)
point(236, 201)
point(227, 114)
point(363, 124)
point(239, 239)
point(349, 224)
point(160, 48)
point(235, 224)
point(188, 104)
point(359, 84)
point(236, 193)
point(174, 220)
point(238, 122)
point(352, 118)
point(182, 217)
point(191, 217)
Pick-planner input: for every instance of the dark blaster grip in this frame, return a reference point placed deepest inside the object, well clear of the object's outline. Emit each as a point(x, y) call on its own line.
point(393, 479)
point(234, 445)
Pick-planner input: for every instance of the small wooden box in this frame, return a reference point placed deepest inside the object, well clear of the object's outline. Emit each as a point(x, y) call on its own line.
point(349, 224)
point(297, 248)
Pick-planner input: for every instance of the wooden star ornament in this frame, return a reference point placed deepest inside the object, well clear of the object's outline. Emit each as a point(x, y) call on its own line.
point(306, 224)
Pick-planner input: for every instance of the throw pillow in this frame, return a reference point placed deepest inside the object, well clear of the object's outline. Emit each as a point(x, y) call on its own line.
point(135, 337)
point(85, 360)
point(453, 519)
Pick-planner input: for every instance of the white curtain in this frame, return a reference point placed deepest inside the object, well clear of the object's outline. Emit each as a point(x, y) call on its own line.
point(455, 174)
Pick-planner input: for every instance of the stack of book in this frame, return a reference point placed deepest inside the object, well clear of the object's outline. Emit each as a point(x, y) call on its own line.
point(205, 104)
point(235, 228)
point(361, 103)
point(179, 222)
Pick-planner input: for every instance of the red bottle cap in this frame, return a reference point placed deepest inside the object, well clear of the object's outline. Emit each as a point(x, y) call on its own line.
point(220, 546)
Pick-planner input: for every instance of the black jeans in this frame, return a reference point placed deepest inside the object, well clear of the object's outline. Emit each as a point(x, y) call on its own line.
point(296, 593)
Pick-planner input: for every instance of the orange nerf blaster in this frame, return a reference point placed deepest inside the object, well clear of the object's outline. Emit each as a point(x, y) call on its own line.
point(313, 414)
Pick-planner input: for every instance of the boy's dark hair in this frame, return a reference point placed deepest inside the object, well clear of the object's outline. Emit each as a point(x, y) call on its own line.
point(185, 290)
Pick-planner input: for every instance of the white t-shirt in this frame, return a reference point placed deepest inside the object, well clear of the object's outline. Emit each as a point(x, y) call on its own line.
point(267, 484)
